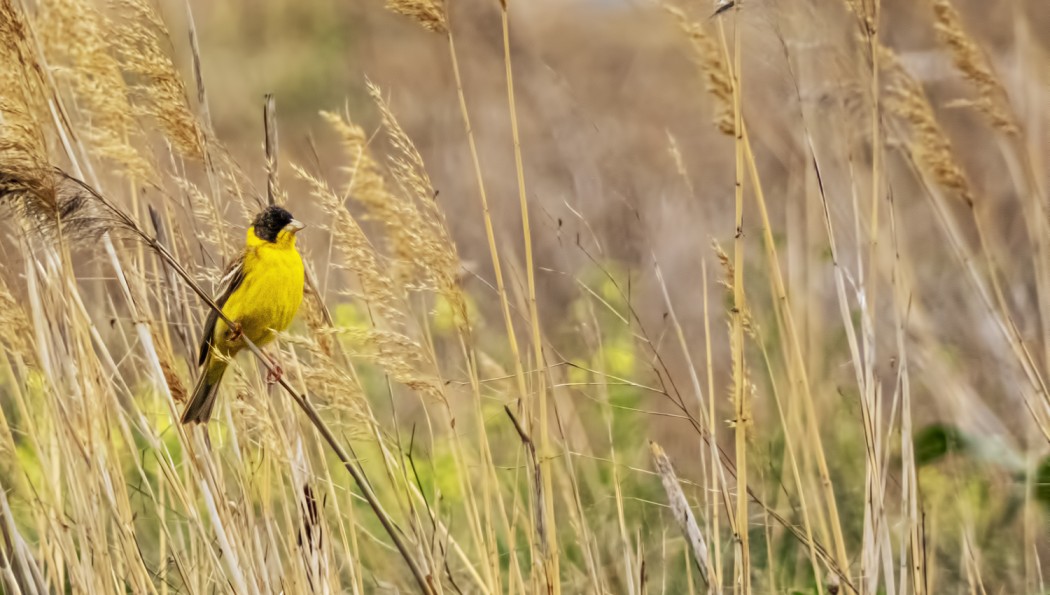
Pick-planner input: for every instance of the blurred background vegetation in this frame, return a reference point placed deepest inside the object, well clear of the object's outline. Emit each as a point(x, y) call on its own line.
point(843, 362)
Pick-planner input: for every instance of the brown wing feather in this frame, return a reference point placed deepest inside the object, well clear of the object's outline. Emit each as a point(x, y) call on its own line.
point(231, 280)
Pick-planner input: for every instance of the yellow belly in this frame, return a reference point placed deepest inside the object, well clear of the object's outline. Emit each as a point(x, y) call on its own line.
point(267, 299)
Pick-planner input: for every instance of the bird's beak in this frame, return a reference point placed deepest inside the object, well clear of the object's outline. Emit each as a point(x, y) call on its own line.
point(295, 226)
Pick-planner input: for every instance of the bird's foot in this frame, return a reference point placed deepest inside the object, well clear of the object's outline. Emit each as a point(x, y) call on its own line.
point(274, 374)
point(235, 332)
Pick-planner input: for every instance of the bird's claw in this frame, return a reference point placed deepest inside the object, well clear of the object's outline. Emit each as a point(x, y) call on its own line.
point(274, 374)
point(235, 331)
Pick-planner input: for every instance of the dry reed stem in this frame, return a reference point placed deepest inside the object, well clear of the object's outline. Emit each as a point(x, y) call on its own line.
point(490, 235)
point(18, 567)
point(271, 147)
point(868, 415)
point(717, 472)
point(681, 511)
point(72, 420)
point(501, 290)
point(711, 571)
point(536, 478)
point(912, 558)
point(740, 395)
point(538, 404)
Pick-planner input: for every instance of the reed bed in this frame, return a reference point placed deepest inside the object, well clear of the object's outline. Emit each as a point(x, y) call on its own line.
point(749, 298)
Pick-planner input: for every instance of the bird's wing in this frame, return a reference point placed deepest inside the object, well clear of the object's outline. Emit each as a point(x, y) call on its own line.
point(231, 280)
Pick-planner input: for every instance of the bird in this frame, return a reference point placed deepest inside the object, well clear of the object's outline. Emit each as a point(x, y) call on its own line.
point(260, 293)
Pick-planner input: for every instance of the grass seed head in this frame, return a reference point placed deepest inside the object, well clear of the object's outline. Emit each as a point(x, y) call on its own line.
point(359, 256)
point(717, 76)
point(430, 14)
point(928, 142)
point(398, 355)
point(971, 62)
point(158, 89)
point(79, 45)
point(22, 145)
point(437, 260)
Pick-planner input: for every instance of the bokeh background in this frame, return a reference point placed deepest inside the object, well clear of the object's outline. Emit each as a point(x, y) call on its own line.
point(606, 93)
point(893, 401)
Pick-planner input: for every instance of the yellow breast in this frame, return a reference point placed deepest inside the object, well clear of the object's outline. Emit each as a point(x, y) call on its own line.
point(270, 294)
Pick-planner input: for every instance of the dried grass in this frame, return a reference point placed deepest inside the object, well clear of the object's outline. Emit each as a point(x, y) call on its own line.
point(971, 62)
point(359, 256)
point(710, 59)
point(141, 44)
point(22, 142)
point(81, 48)
point(931, 146)
point(479, 464)
point(430, 14)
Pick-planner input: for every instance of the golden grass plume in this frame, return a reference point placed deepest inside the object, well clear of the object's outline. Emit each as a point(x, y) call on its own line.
point(80, 49)
point(970, 60)
point(430, 14)
point(359, 255)
point(158, 89)
point(930, 145)
point(716, 75)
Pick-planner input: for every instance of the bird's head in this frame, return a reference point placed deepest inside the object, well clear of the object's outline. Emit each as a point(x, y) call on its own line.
point(275, 225)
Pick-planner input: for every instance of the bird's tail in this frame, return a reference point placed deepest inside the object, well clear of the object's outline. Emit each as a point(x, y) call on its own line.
point(200, 406)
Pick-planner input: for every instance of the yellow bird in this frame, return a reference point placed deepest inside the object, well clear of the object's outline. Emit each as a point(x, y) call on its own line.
point(260, 292)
